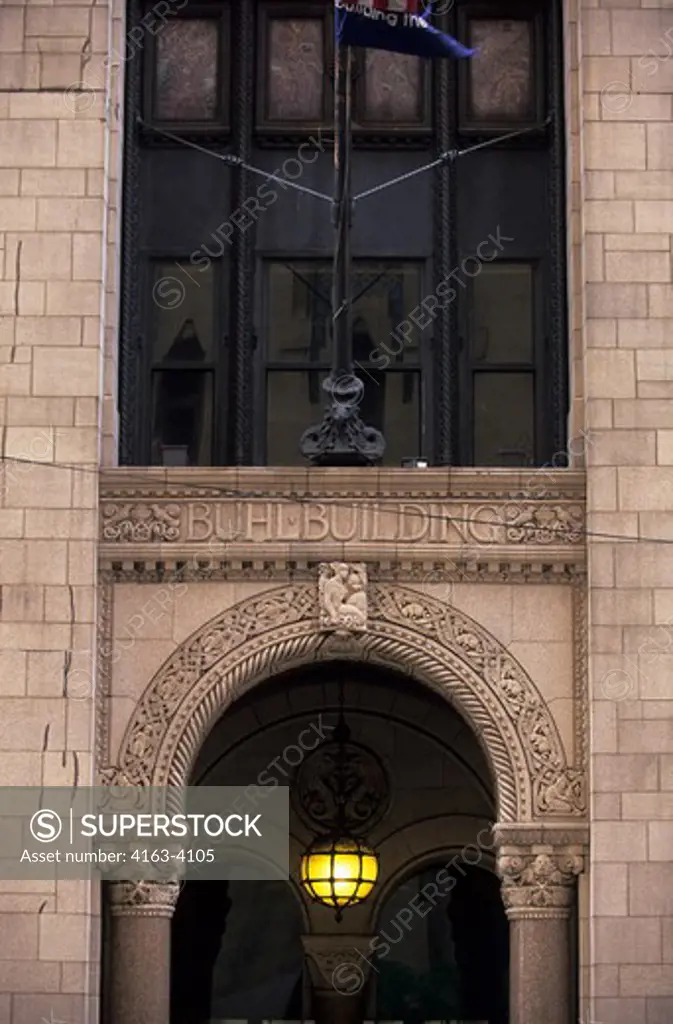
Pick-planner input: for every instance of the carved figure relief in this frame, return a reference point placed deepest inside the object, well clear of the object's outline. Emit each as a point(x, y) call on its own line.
point(343, 596)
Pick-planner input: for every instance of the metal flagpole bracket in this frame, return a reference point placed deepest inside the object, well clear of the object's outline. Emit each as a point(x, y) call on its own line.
point(342, 439)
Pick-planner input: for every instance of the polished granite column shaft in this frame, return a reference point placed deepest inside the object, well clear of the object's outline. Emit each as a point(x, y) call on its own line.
point(140, 959)
point(538, 890)
point(540, 970)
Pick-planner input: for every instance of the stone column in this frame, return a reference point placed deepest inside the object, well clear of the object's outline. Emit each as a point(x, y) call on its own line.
point(538, 889)
point(339, 967)
point(140, 958)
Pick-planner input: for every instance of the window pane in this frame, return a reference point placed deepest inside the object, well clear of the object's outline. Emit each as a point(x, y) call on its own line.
point(183, 301)
point(392, 87)
point(501, 80)
point(503, 419)
point(296, 69)
point(182, 418)
point(300, 313)
point(382, 329)
point(502, 300)
point(186, 70)
point(295, 401)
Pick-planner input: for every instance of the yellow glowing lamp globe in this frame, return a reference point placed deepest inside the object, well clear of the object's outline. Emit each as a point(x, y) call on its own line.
point(339, 873)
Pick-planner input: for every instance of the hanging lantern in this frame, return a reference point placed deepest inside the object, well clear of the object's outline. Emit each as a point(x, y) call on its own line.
point(339, 870)
point(339, 873)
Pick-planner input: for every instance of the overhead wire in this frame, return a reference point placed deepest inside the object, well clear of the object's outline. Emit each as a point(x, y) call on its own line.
point(292, 497)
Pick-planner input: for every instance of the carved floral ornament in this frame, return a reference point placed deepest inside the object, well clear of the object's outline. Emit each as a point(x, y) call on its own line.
point(538, 883)
point(406, 630)
point(143, 899)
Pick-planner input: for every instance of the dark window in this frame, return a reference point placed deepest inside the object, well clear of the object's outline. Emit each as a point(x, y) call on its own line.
point(184, 356)
point(459, 326)
point(298, 354)
point(502, 365)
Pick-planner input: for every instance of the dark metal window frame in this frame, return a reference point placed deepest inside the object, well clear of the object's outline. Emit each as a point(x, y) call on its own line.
point(237, 442)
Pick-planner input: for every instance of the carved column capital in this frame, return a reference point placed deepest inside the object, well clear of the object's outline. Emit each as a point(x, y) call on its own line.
point(338, 963)
point(538, 882)
point(143, 899)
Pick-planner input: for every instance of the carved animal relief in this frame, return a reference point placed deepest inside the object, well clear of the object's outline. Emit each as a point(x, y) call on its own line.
point(343, 596)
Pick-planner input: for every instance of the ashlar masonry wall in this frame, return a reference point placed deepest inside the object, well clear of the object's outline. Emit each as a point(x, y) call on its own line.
point(57, 213)
point(624, 151)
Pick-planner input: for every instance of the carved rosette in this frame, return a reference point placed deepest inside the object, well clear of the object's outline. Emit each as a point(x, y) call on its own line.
point(539, 882)
point(339, 963)
point(143, 899)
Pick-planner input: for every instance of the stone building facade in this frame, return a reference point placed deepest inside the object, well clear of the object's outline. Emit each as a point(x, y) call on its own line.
point(535, 602)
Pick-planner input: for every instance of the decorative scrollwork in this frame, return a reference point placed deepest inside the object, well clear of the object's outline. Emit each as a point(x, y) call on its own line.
point(441, 646)
point(535, 524)
point(140, 523)
point(366, 785)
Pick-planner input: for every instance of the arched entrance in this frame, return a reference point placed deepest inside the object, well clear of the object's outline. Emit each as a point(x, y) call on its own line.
point(237, 951)
point(537, 801)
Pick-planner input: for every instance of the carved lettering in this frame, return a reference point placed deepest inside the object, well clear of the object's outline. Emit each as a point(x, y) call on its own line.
point(199, 521)
point(316, 525)
point(259, 522)
point(345, 521)
point(413, 522)
point(389, 521)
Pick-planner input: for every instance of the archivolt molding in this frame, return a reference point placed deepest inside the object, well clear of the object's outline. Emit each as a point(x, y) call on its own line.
point(408, 631)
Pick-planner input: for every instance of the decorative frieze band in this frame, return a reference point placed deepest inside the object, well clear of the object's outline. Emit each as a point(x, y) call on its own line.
point(437, 514)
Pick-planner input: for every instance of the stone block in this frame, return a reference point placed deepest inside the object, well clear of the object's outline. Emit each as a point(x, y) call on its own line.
point(65, 371)
point(609, 215)
point(632, 940)
point(620, 842)
point(653, 333)
point(660, 147)
point(616, 300)
point(613, 773)
point(27, 144)
point(639, 266)
point(614, 147)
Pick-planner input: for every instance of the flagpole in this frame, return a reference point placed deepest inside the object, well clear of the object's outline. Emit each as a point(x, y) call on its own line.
point(342, 439)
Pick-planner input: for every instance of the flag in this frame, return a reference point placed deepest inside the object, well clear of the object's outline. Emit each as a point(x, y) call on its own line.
point(394, 25)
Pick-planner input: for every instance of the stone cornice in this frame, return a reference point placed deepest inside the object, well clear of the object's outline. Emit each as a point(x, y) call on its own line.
point(218, 523)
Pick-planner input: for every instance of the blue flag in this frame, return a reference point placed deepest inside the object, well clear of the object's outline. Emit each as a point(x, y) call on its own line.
point(393, 25)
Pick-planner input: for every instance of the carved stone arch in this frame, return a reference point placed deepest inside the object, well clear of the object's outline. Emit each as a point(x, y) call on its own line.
point(408, 631)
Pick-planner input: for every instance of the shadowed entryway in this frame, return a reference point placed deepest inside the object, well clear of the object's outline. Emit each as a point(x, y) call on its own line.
point(237, 951)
